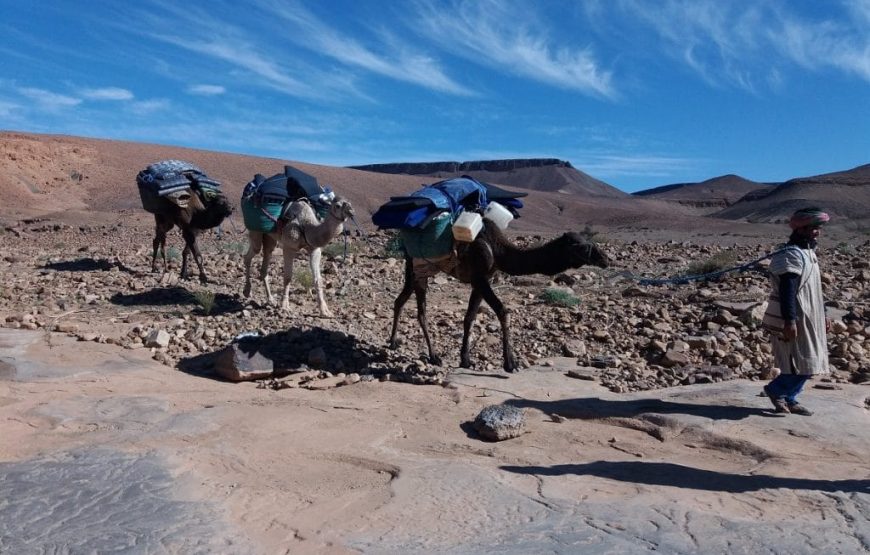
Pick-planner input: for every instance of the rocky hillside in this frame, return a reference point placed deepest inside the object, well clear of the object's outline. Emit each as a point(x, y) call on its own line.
point(537, 174)
point(708, 196)
point(845, 195)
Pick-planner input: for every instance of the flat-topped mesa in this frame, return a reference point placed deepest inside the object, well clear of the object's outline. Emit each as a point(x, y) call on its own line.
point(429, 168)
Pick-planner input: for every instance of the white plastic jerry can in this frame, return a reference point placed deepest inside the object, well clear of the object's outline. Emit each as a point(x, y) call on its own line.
point(467, 226)
point(498, 214)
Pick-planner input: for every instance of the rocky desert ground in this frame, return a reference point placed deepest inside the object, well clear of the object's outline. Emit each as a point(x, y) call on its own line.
point(643, 432)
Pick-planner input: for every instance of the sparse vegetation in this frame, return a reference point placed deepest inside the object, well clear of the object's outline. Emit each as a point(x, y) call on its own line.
point(845, 248)
point(559, 297)
point(304, 278)
point(336, 249)
point(234, 247)
point(172, 253)
point(719, 261)
point(205, 299)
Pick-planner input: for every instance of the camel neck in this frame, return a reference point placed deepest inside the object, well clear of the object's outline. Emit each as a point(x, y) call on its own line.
point(547, 259)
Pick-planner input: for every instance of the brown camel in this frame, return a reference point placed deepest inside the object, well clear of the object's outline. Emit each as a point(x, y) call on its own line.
point(201, 212)
point(475, 264)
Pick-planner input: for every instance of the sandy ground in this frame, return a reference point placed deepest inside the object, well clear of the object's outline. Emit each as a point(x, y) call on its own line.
point(105, 450)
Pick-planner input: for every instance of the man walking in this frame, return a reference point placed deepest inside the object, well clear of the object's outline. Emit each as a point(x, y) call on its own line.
point(801, 349)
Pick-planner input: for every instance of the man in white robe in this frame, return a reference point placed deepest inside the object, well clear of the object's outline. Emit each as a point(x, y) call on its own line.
point(801, 349)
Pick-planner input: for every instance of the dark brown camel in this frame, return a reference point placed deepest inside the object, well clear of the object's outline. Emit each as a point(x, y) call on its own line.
point(476, 263)
point(199, 214)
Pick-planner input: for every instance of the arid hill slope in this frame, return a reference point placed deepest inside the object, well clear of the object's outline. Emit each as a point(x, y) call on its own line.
point(43, 174)
point(845, 194)
point(708, 196)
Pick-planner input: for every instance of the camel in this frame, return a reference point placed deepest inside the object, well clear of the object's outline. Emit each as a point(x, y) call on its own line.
point(475, 264)
point(197, 215)
point(298, 229)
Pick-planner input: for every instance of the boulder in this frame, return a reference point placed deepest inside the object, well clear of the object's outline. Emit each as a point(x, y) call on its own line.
point(500, 422)
point(241, 361)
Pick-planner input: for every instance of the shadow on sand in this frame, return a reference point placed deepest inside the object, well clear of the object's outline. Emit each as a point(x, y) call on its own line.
point(88, 264)
point(169, 296)
point(676, 475)
point(595, 408)
point(290, 352)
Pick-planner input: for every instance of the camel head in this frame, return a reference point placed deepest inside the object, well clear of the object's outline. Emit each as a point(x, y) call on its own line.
point(219, 205)
point(580, 251)
point(340, 209)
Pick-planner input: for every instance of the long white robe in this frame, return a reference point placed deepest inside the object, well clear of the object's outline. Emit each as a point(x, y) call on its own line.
point(807, 354)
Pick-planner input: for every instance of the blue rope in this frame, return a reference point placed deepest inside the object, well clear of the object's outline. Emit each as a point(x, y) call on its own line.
point(682, 280)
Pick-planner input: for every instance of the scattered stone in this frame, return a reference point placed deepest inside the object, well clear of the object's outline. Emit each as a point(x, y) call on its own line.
point(580, 375)
point(500, 422)
point(158, 338)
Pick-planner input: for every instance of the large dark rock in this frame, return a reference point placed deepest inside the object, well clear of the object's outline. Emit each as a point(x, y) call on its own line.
point(241, 361)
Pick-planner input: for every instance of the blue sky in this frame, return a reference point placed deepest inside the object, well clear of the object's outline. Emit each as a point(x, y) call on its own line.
point(638, 93)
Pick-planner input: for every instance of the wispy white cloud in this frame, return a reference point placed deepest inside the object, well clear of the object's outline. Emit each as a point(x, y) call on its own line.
point(144, 107)
point(206, 90)
point(231, 43)
point(398, 60)
point(107, 93)
point(746, 44)
point(49, 100)
point(507, 36)
point(633, 165)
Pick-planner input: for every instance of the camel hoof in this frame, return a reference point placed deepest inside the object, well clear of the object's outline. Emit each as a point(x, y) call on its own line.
point(435, 360)
point(246, 292)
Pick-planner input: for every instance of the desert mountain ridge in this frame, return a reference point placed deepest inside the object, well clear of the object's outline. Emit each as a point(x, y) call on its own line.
point(44, 174)
point(539, 174)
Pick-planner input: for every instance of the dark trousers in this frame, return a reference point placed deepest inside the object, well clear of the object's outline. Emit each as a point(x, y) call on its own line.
point(787, 386)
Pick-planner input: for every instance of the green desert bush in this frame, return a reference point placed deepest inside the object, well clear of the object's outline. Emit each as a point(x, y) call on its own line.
point(845, 249)
point(304, 278)
point(205, 299)
point(559, 297)
point(719, 261)
point(336, 249)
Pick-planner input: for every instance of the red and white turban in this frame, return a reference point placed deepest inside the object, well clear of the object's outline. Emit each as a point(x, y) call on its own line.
point(808, 217)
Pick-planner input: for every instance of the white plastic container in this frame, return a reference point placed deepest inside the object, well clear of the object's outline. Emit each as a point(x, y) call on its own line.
point(467, 226)
point(498, 214)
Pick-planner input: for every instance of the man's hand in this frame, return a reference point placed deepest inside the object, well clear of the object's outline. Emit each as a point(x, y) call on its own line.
point(827, 325)
point(789, 331)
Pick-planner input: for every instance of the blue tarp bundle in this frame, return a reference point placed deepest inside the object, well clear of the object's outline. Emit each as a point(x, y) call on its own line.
point(171, 176)
point(451, 195)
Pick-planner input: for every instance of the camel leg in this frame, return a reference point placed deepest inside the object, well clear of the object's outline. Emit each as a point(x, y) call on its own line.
point(190, 246)
point(510, 363)
point(467, 323)
point(269, 244)
point(400, 301)
point(255, 244)
point(289, 257)
point(314, 265)
point(159, 242)
point(420, 286)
